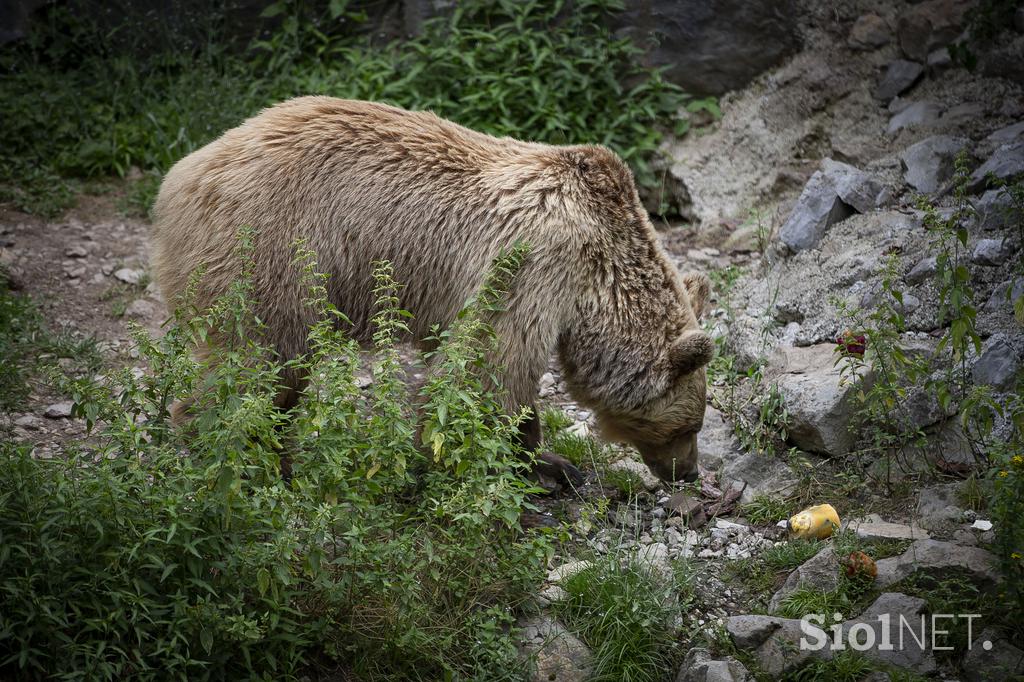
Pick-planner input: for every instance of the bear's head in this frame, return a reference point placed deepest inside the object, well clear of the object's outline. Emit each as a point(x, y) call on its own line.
point(664, 430)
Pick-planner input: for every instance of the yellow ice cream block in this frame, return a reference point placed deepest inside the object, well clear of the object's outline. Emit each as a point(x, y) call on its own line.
point(818, 522)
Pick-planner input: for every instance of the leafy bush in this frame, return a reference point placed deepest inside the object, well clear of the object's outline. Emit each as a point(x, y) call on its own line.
point(76, 105)
point(161, 553)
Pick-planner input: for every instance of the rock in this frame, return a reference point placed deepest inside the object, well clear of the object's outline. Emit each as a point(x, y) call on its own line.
point(939, 60)
point(923, 270)
point(757, 474)
point(559, 655)
point(896, 608)
point(685, 505)
point(992, 251)
point(567, 570)
point(655, 558)
point(61, 410)
point(716, 442)
point(963, 113)
point(1006, 162)
point(914, 116)
point(552, 594)
point(129, 275)
point(982, 525)
point(992, 657)
point(699, 666)
point(928, 165)
point(774, 642)
point(579, 429)
point(868, 32)
point(709, 49)
point(1005, 294)
point(935, 558)
point(1010, 133)
point(884, 530)
point(994, 210)
point(140, 308)
point(899, 76)
point(938, 506)
point(927, 26)
point(649, 480)
point(820, 572)
point(76, 251)
point(833, 193)
point(546, 384)
point(819, 407)
point(998, 365)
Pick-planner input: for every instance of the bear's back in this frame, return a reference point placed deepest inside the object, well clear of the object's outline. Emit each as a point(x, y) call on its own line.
point(358, 182)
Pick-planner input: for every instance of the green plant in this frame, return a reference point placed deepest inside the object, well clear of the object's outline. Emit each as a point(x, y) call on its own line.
point(553, 420)
point(129, 560)
point(626, 611)
point(79, 104)
point(845, 666)
point(766, 510)
point(28, 346)
point(626, 482)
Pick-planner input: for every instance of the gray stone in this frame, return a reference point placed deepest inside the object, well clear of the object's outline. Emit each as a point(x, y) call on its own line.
point(939, 59)
point(709, 48)
point(992, 657)
point(820, 572)
point(558, 654)
point(994, 210)
point(758, 474)
point(936, 558)
point(61, 410)
point(898, 78)
point(140, 308)
point(76, 251)
point(655, 558)
point(700, 666)
point(998, 365)
point(938, 506)
point(716, 442)
point(817, 209)
point(1010, 133)
point(992, 251)
point(869, 31)
point(923, 270)
point(774, 642)
point(1006, 162)
point(129, 275)
point(1005, 294)
point(884, 530)
point(914, 116)
point(629, 465)
point(833, 193)
point(899, 608)
point(964, 113)
point(928, 165)
point(567, 570)
point(927, 26)
point(818, 406)
point(982, 525)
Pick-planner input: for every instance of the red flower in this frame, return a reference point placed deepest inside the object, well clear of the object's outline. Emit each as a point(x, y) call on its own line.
point(852, 344)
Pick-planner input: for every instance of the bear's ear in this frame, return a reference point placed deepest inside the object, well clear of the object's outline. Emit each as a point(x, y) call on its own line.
point(698, 288)
point(693, 350)
point(600, 169)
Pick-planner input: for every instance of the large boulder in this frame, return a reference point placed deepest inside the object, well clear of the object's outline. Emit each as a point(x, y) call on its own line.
point(710, 47)
point(819, 404)
point(929, 164)
point(925, 27)
point(833, 193)
point(998, 365)
point(1006, 162)
point(899, 76)
point(992, 657)
point(897, 609)
point(937, 558)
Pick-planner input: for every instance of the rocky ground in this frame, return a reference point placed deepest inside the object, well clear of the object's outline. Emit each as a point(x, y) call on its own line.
point(801, 191)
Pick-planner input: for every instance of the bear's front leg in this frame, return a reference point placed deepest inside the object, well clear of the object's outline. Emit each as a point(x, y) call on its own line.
point(547, 463)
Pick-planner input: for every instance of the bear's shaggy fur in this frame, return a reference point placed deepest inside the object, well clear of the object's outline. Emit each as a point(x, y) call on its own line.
point(361, 181)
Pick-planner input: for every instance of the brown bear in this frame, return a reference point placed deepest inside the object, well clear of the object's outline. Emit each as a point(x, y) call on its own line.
point(361, 182)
